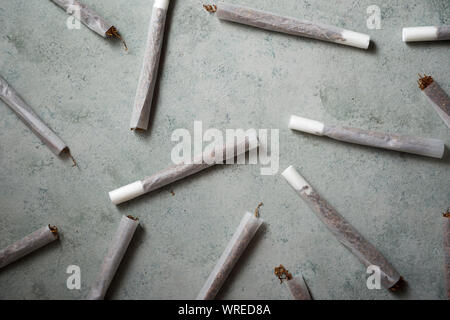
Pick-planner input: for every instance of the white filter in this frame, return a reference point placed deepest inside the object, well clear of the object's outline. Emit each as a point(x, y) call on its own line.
point(419, 34)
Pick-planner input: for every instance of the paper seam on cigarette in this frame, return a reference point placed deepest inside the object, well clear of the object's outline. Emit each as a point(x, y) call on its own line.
point(347, 235)
point(147, 80)
point(180, 171)
point(272, 22)
point(111, 262)
point(87, 16)
point(243, 235)
point(27, 245)
point(31, 119)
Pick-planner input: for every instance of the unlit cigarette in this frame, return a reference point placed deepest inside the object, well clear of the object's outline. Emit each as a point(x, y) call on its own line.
point(437, 96)
point(116, 251)
point(296, 285)
point(447, 251)
point(426, 33)
point(416, 145)
point(149, 73)
point(342, 230)
point(31, 119)
point(89, 18)
point(181, 171)
point(30, 243)
point(302, 28)
point(244, 234)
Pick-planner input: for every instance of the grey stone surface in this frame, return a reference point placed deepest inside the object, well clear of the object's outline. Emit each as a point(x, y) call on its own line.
point(228, 76)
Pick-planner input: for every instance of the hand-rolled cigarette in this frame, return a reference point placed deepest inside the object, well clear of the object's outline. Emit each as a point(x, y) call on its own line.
point(181, 171)
point(297, 286)
point(426, 34)
point(245, 232)
point(112, 260)
point(30, 243)
point(345, 233)
point(149, 73)
point(32, 120)
point(90, 18)
point(437, 96)
point(416, 145)
point(302, 28)
point(447, 251)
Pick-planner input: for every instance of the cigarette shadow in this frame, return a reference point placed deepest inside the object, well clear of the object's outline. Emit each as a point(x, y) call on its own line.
point(162, 59)
point(372, 47)
point(28, 259)
point(426, 44)
point(242, 262)
point(127, 259)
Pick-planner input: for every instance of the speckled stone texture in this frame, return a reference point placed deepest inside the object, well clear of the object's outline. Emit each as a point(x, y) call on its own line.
point(228, 76)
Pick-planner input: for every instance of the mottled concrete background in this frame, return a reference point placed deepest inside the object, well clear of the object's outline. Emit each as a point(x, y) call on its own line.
point(228, 76)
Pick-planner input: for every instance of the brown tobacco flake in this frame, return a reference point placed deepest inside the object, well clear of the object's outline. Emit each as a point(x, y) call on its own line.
point(132, 218)
point(172, 193)
point(424, 81)
point(113, 32)
point(447, 213)
point(399, 285)
point(54, 230)
point(210, 8)
point(282, 273)
point(257, 209)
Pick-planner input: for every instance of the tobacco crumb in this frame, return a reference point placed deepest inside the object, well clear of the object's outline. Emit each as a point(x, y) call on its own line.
point(172, 193)
point(54, 230)
point(447, 213)
point(113, 32)
point(282, 273)
point(257, 209)
point(132, 218)
point(210, 8)
point(424, 81)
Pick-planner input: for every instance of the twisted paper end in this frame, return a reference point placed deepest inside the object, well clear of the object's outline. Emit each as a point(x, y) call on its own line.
point(54, 230)
point(113, 32)
point(257, 209)
point(132, 218)
point(282, 274)
point(424, 81)
point(210, 8)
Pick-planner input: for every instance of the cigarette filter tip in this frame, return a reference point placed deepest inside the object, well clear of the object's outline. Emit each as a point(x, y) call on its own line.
point(127, 192)
point(419, 34)
point(306, 125)
point(295, 179)
point(356, 39)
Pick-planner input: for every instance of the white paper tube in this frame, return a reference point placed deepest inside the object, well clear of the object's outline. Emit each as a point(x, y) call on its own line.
point(149, 73)
point(345, 233)
point(112, 260)
point(180, 171)
point(298, 289)
point(272, 22)
point(31, 119)
point(88, 17)
point(439, 99)
point(422, 146)
point(244, 234)
point(429, 33)
point(28, 244)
